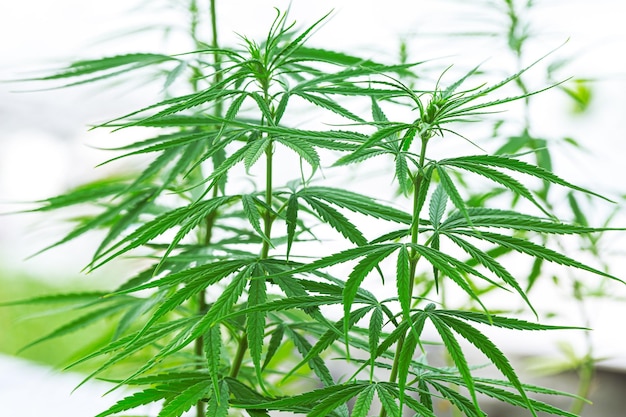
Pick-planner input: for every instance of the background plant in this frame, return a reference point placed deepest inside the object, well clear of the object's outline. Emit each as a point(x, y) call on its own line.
point(227, 283)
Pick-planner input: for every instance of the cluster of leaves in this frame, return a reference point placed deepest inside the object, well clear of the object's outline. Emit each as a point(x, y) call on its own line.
point(233, 311)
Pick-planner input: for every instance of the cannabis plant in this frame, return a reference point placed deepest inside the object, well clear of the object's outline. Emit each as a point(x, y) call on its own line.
point(263, 281)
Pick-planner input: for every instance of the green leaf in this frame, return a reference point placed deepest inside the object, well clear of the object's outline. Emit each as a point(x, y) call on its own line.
point(501, 178)
point(218, 402)
point(489, 349)
point(456, 353)
point(532, 249)
point(403, 281)
point(363, 402)
point(375, 329)
point(252, 213)
point(329, 105)
point(450, 189)
point(81, 322)
point(135, 400)
point(491, 264)
point(185, 400)
point(437, 206)
point(212, 339)
point(71, 298)
point(303, 149)
point(126, 349)
point(387, 400)
point(358, 274)
point(121, 63)
point(357, 203)
point(518, 166)
point(291, 218)
point(336, 220)
point(406, 354)
point(273, 345)
point(316, 363)
point(255, 323)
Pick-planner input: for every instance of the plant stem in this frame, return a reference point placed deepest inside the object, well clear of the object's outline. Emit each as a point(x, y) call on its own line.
point(210, 219)
point(241, 351)
point(417, 184)
point(267, 230)
point(585, 378)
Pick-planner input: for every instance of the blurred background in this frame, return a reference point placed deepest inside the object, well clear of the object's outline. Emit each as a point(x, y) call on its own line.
point(46, 147)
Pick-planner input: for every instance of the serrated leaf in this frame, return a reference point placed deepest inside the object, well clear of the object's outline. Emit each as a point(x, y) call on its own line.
point(456, 353)
point(450, 189)
point(303, 149)
point(291, 218)
point(187, 217)
point(256, 148)
point(518, 166)
point(80, 297)
point(387, 400)
point(316, 363)
point(212, 341)
point(217, 405)
point(407, 352)
point(356, 277)
point(357, 203)
point(375, 329)
point(336, 220)
point(81, 322)
point(255, 322)
point(254, 216)
point(532, 249)
point(185, 400)
point(493, 265)
point(272, 347)
point(363, 402)
point(489, 349)
point(135, 400)
point(403, 281)
point(437, 207)
point(329, 105)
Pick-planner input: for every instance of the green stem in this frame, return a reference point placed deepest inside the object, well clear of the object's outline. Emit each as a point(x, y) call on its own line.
point(238, 359)
point(210, 219)
point(417, 184)
point(268, 219)
point(585, 378)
